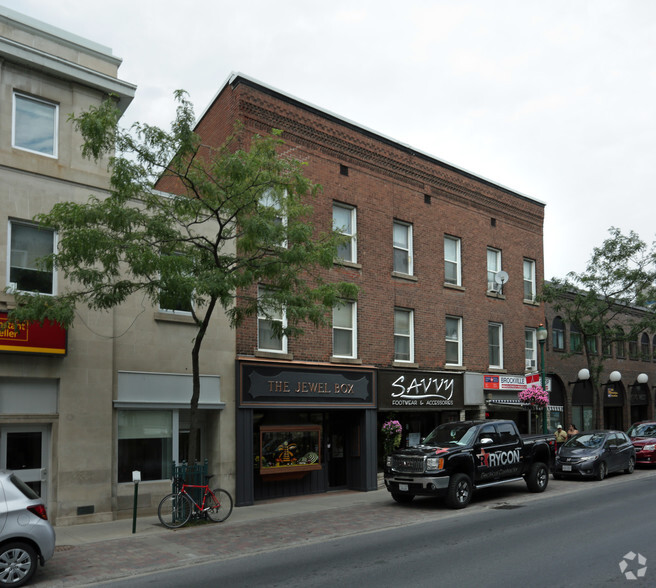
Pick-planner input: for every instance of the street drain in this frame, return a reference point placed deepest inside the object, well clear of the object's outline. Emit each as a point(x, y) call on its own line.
point(507, 506)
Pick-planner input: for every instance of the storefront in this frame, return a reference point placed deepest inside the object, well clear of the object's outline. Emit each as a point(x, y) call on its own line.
point(303, 429)
point(419, 401)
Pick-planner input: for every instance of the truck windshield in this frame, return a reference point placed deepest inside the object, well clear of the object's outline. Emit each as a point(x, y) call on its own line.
point(451, 434)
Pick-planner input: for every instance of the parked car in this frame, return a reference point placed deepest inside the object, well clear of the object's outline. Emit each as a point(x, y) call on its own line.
point(595, 454)
point(26, 536)
point(643, 437)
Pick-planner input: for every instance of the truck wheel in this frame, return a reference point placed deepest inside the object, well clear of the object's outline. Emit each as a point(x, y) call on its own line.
point(459, 493)
point(538, 477)
point(402, 498)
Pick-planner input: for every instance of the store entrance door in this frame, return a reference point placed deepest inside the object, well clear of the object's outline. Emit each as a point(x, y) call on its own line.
point(336, 446)
point(25, 449)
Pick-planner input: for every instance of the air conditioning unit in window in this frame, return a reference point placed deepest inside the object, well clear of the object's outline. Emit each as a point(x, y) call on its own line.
point(493, 287)
point(12, 287)
point(531, 364)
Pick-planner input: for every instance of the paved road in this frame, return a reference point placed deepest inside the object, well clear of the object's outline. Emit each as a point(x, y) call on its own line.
point(312, 520)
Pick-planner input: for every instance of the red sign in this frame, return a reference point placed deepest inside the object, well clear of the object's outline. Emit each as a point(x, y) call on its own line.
point(46, 339)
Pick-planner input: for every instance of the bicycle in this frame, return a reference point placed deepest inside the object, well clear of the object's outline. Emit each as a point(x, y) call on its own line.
point(177, 508)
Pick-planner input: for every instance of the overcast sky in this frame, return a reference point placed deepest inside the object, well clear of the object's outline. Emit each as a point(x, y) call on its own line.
point(553, 99)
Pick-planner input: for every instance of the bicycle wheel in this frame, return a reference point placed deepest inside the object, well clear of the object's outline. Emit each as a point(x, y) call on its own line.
point(218, 506)
point(174, 510)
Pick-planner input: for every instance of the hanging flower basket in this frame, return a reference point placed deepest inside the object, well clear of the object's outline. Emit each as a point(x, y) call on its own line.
point(391, 431)
point(535, 396)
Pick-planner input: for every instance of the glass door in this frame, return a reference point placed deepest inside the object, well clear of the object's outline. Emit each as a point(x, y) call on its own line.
point(24, 449)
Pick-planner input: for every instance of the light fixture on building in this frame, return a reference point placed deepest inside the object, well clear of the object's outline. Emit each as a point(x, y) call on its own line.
point(584, 374)
point(615, 376)
point(642, 378)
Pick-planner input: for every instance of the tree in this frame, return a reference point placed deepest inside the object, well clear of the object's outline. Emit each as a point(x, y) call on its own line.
point(236, 216)
point(613, 300)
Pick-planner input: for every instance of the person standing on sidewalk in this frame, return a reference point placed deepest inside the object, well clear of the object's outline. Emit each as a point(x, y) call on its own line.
point(561, 435)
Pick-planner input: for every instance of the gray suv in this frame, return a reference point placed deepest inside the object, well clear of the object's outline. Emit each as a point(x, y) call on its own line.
point(26, 536)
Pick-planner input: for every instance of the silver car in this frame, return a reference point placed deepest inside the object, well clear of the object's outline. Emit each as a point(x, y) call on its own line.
point(26, 536)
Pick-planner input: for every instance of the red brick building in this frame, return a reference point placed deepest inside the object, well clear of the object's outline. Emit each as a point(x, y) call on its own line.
point(448, 264)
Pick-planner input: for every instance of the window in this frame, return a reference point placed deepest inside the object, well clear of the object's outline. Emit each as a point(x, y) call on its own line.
point(145, 443)
point(529, 280)
point(403, 335)
point(175, 296)
point(575, 339)
point(633, 349)
point(558, 334)
point(402, 242)
point(591, 345)
point(268, 337)
point(269, 204)
point(495, 344)
point(452, 273)
point(621, 343)
point(29, 243)
point(644, 347)
point(606, 345)
point(344, 223)
point(35, 125)
point(344, 330)
point(453, 340)
point(493, 267)
point(653, 346)
point(530, 347)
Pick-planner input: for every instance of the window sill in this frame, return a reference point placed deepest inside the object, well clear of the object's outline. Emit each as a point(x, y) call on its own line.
point(405, 364)
point(454, 287)
point(407, 277)
point(496, 370)
point(274, 355)
point(350, 360)
point(495, 295)
point(349, 264)
point(531, 302)
point(455, 368)
point(170, 317)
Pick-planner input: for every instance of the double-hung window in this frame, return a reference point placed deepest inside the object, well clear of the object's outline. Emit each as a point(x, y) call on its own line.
point(270, 206)
point(495, 344)
point(529, 280)
point(558, 334)
point(269, 337)
point(575, 339)
point(493, 268)
point(453, 340)
point(530, 349)
point(402, 244)
point(452, 272)
point(403, 335)
point(35, 125)
point(344, 222)
point(344, 330)
point(28, 244)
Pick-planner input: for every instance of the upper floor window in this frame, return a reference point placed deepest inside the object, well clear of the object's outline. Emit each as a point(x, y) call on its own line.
point(495, 344)
point(453, 340)
point(591, 344)
point(558, 334)
point(403, 335)
point(644, 347)
point(402, 242)
point(35, 125)
point(575, 339)
point(173, 296)
point(633, 349)
point(493, 268)
point(529, 280)
point(621, 343)
point(344, 223)
point(344, 330)
point(530, 349)
point(606, 345)
point(452, 271)
point(28, 244)
point(269, 203)
point(271, 319)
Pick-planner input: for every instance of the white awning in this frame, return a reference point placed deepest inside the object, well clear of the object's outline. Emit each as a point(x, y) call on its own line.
point(520, 404)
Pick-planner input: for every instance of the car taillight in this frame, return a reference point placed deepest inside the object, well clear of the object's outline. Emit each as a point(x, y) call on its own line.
point(39, 510)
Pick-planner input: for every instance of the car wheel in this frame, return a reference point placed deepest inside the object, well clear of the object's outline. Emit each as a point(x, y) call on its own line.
point(17, 564)
point(402, 498)
point(459, 493)
point(629, 468)
point(602, 471)
point(538, 477)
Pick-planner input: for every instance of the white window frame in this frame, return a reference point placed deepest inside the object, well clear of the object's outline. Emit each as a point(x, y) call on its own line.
point(409, 335)
point(531, 349)
point(456, 262)
point(529, 264)
point(405, 249)
point(263, 316)
point(493, 267)
point(498, 327)
point(343, 328)
point(457, 339)
point(350, 234)
point(10, 253)
point(55, 130)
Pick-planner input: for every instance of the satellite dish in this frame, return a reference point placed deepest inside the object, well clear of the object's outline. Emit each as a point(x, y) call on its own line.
point(501, 277)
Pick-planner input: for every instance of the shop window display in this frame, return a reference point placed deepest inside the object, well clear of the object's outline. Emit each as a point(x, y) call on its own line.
point(289, 449)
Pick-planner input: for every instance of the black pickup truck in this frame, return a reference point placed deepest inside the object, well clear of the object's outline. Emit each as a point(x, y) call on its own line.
point(460, 457)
